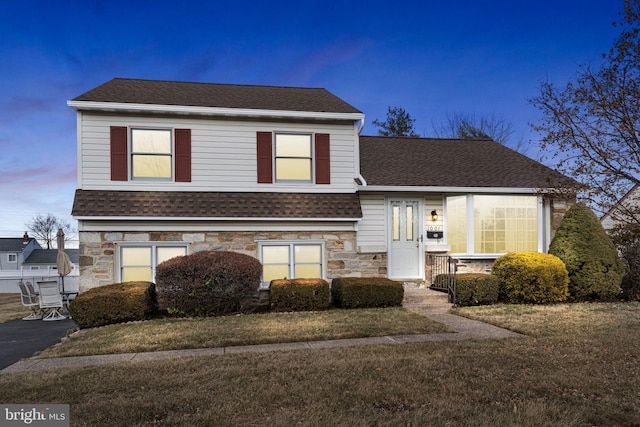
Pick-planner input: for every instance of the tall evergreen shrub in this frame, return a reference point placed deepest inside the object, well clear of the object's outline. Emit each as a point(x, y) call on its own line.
point(595, 269)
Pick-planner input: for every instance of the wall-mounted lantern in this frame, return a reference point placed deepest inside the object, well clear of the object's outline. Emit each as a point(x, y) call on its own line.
point(434, 215)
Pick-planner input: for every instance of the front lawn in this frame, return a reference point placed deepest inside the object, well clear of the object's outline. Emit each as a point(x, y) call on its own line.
point(11, 308)
point(578, 366)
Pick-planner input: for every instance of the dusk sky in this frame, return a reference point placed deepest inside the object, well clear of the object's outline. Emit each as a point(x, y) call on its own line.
point(432, 58)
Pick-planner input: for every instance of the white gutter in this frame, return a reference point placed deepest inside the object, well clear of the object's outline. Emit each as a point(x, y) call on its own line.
point(198, 218)
point(426, 189)
point(361, 125)
point(210, 111)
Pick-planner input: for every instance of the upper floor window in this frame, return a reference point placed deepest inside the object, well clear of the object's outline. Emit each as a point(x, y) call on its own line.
point(151, 153)
point(303, 158)
point(293, 157)
point(12, 258)
point(492, 224)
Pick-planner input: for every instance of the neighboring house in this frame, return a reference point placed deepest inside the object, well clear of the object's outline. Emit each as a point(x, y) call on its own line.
point(13, 251)
point(46, 259)
point(626, 211)
point(282, 174)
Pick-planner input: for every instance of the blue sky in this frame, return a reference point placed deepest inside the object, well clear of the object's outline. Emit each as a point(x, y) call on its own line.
point(432, 58)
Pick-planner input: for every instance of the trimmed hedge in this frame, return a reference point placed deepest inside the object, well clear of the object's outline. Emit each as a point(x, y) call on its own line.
point(531, 277)
point(360, 292)
point(476, 289)
point(591, 258)
point(299, 295)
point(208, 283)
point(116, 303)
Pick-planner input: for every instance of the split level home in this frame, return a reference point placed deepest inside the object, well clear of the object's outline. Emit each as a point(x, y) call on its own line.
point(282, 174)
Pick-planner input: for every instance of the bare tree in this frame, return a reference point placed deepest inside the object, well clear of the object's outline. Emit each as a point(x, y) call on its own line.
point(591, 125)
point(398, 123)
point(465, 126)
point(45, 227)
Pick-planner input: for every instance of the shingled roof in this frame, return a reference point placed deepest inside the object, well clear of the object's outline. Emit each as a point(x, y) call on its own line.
point(429, 162)
point(192, 204)
point(159, 92)
point(50, 256)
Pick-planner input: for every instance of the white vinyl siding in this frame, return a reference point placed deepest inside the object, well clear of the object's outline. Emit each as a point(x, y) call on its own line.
point(372, 228)
point(223, 154)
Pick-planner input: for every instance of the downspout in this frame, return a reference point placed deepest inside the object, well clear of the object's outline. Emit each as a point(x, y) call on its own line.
point(360, 126)
point(360, 177)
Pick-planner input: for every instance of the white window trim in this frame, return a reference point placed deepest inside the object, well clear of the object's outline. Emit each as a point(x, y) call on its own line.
point(154, 254)
point(292, 244)
point(171, 154)
point(542, 227)
point(312, 147)
point(14, 256)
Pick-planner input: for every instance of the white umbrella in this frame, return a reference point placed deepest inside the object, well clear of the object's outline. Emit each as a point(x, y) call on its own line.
point(63, 263)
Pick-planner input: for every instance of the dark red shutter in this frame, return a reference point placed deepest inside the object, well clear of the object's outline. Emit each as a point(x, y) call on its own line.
point(119, 168)
point(265, 158)
point(183, 155)
point(323, 159)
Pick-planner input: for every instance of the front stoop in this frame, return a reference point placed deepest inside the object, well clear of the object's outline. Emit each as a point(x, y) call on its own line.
point(419, 299)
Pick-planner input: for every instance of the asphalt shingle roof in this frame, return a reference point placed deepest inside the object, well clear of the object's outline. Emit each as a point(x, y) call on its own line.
point(12, 244)
point(50, 256)
point(216, 205)
point(429, 162)
point(161, 92)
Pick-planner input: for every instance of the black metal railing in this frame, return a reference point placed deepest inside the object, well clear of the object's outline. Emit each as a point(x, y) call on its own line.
point(443, 270)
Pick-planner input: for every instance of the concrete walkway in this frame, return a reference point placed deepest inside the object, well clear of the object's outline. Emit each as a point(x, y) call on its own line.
point(465, 329)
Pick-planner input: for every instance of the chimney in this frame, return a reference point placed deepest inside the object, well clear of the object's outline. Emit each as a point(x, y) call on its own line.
point(25, 238)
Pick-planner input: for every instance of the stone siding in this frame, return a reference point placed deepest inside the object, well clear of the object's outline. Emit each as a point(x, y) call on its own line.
point(98, 264)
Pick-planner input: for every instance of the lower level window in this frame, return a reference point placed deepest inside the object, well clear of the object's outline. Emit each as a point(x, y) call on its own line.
point(138, 263)
point(291, 261)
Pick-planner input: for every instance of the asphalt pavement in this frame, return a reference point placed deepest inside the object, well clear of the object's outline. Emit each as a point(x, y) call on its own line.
point(20, 339)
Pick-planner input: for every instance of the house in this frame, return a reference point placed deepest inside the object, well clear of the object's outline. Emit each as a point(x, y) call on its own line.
point(282, 174)
point(625, 211)
point(47, 259)
point(14, 250)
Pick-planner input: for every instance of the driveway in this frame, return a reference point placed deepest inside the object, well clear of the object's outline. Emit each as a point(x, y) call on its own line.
point(22, 339)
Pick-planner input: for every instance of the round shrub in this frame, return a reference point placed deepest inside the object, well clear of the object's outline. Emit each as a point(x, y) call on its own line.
point(476, 289)
point(208, 283)
point(591, 258)
point(116, 303)
point(531, 277)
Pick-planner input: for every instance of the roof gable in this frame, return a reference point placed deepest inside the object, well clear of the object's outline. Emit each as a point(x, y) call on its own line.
point(160, 92)
point(431, 162)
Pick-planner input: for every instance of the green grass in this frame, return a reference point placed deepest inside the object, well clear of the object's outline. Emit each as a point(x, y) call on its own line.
point(11, 308)
point(578, 366)
point(178, 334)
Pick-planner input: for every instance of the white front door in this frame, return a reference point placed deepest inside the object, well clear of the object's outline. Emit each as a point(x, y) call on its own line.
point(405, 240)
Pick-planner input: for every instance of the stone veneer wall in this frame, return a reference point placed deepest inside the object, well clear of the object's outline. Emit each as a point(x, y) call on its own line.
point(98, 251)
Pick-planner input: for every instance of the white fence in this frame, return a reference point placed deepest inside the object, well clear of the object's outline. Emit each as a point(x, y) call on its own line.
point(9, 278)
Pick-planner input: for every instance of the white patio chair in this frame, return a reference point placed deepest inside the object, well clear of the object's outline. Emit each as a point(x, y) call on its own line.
point(51, 299)
point(30, 300)
point(30, 288)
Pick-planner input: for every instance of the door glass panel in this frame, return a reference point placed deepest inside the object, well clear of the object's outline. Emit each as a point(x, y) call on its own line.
point(395, 214)
point(409, 223)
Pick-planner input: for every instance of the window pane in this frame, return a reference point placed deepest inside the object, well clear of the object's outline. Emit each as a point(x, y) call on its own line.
point(457, 223)
point(505, 223)
point(151, 166)
point(151, 141)
point(307, 253)
point(272, 272)
point(293, 169)
point(136, 257)
point(165, 253)
point(275, 254)
point(132, 274)
point(293, 145)
point(308, 271)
